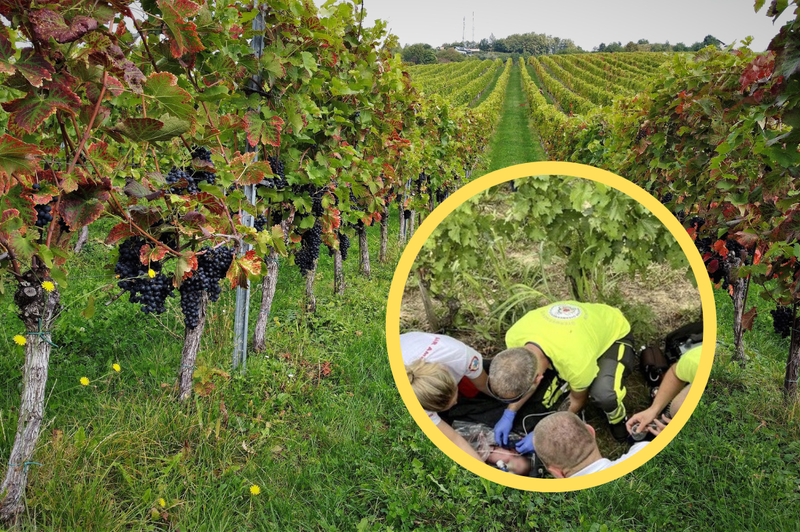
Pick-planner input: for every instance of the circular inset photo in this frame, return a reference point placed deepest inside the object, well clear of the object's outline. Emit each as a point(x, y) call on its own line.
point(547, 331)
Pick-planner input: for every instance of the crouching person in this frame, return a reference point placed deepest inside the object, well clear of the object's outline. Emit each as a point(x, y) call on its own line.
point(434, 365)
point(568, 448)
point(670, 396)
point(588, 344)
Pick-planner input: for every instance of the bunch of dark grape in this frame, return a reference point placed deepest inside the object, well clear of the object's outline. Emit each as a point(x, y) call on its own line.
point(202, 153)
point(43, 216)
point(191, 177)
point(175, 176)
point(277, 216)
point(442, 194)
point(279, 171)
point(406, 214)
point(212, 266)
point(309, 249)
point(153, 292)
point(344, 245)
point(260, 222)
point(782, 318)
point(316, 201)
point(736, 256)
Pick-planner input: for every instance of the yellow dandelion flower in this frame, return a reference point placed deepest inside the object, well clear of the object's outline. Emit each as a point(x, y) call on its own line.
point(151, 273)
point(116, 368)
point(20, 340)
point(255, 490)
point(162, 503)
point(49, 286)
point(85, 381)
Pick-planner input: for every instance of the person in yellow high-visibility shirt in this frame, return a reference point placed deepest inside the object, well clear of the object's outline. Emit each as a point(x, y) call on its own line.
point(672, 392)
point(590, 346)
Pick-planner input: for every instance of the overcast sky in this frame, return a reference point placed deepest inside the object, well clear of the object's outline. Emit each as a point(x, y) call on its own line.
point(586, 22)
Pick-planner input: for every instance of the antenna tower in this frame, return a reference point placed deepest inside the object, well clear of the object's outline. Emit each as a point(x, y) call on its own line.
point(463, 31)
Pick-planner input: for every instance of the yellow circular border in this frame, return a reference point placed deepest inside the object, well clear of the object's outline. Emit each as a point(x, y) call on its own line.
point(404, 268)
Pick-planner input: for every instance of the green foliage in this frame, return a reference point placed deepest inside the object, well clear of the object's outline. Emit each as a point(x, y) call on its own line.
point(591, 231)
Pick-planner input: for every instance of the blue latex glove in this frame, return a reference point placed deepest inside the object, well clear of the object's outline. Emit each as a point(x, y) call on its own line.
point(503, 427)
point(525, 445)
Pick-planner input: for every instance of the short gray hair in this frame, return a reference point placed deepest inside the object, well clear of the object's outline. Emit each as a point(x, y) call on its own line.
point(512, 372)
point(563, 440)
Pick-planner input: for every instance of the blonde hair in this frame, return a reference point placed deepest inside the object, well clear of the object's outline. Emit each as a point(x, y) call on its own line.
point(433, 384)
point(512, 372)
point(563, 440)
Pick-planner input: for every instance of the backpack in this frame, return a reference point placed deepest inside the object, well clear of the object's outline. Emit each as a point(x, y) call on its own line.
point(654, 362)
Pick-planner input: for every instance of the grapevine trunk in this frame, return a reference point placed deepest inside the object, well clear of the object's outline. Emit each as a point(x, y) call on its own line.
point(38, 310)
point(401, 237)
point(364, 251)
point(740, 287)
point(311, 300)
point(384, 235)
point(430, 313)
point(82, 239)
point(268, 287)
point(793, 361)
point(191, 345)
point(338, 272)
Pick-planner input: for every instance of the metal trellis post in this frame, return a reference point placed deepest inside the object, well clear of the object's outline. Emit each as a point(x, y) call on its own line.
point(243, 294)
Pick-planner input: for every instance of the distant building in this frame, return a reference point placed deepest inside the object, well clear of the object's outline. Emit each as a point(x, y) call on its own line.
point(467, 51)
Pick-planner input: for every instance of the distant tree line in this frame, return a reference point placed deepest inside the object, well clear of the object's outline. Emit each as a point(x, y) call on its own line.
point(527, 44)
point(643, 45)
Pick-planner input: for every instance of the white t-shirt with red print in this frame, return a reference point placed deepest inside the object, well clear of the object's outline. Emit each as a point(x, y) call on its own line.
point(458, 357)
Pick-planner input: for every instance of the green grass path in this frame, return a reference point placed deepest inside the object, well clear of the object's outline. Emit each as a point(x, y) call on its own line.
point(514, 142)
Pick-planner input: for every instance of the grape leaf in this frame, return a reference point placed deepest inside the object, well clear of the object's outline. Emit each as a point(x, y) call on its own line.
point(31, 110)
point(272, 64)
point(748, 318)
point(254, 173)
point(163, 88)
point(150, 129)
point(243, 267)
point(118, 232)
point(264, 131)
point(184, 267)
point(85, 205)
point(182, 33)
point(16, 155)
point(47, 24)
point(88, 312)
point(34, 67)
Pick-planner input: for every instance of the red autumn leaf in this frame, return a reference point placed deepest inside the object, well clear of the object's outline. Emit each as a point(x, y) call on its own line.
point(118, 232)
point(713, 266)
point(31, 110)
point(186, 264)
point(242, 267)
point(747, 240)
point(748, 318)
point(150, 254)
point(34, 67)
point(719, 247)
point(85, 205)
point(263, 131)
point(47, 24)
point(254, 173)
point(17, 156)
point(183, 37)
